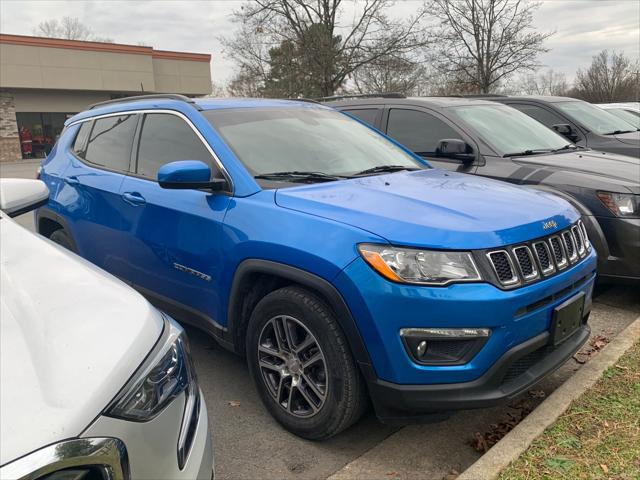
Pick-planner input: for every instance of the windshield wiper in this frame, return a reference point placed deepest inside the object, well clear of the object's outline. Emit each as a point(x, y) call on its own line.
point(568, 146)
point(528, 152)
point(385, 169)
point(618, 132)
point(300, 176)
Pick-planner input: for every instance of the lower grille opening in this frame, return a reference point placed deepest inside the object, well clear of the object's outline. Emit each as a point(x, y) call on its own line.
point(521, 365)
point(551, 298)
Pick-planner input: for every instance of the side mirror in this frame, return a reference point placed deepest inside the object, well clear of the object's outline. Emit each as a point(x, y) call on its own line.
point(566, 131)
point(189, 174)
point(21, 195)
point(456, 149)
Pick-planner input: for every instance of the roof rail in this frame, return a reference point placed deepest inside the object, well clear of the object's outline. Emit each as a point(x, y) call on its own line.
point(308, 100)
point(362, 95)
point(158, 96)
point(480, 95)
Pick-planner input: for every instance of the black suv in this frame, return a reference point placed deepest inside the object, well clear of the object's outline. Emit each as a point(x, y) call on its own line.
point(580, 122)
point(485, 138)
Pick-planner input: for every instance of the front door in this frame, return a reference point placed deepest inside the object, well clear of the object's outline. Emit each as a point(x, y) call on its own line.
point(421, 132)
point(175, 251)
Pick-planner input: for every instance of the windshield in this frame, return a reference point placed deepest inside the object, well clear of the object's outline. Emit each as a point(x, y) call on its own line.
point(508, 130)
point(628, 116)
point(594, 118)
point(308, 139)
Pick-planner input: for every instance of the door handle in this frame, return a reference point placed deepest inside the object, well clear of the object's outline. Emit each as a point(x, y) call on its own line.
point(72, 180)
point(133, 198)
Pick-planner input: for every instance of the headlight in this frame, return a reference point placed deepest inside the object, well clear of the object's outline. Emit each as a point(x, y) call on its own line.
point(424, 267)
point(167, 372)
point(621, 204)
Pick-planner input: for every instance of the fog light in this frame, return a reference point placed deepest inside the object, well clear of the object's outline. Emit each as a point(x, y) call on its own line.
point(422, 348)
point(444, 346)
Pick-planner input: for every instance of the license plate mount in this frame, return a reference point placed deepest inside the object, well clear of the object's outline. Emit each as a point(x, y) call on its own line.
point(567, 318)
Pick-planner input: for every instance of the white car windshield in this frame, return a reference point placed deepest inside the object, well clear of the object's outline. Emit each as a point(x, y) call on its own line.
point(594, 118)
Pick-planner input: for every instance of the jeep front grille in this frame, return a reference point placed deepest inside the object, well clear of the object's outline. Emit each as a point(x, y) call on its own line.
point(503, 267)
point(524, 263)
point(558, 252)
point(569, 244)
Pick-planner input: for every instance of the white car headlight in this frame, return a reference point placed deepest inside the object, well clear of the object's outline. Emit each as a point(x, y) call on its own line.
point(418, 266)
point(165, 374)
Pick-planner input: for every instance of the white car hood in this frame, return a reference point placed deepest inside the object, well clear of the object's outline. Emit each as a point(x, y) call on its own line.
point(71, 336)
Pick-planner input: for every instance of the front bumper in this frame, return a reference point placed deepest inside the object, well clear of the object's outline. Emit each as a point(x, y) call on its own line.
point(623, 240)
point(152, 446)
point(515, 372)
point(519, 319)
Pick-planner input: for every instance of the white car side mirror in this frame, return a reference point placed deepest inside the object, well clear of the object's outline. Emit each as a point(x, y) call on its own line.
point(21, 195)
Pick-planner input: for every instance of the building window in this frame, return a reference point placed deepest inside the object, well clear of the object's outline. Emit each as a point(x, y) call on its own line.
point(39, 132)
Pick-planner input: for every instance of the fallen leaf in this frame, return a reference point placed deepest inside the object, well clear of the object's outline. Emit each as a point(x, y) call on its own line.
point(233, 403)
point(537, 393)
point(604, 468)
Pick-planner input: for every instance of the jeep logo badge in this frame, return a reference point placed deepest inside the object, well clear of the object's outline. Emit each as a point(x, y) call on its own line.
point(549, 224)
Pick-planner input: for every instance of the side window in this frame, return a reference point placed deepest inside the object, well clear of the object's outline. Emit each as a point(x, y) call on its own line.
point(367, 115)
point(110, 141)
point(167, 138)
point(81, 139)
point(418, 131)
point(540, 114)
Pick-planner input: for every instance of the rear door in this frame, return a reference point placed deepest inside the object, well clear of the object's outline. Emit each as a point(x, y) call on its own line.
point(421, 131)
point(174, 252)
point(90, 200)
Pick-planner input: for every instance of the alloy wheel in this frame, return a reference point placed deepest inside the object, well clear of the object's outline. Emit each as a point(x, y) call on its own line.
point(293, 366)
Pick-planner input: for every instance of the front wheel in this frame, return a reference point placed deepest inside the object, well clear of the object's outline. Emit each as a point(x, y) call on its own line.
point(61, 238)
point(301, 364)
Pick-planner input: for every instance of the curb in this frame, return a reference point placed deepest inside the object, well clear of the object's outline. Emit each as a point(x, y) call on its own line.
point(518, 440)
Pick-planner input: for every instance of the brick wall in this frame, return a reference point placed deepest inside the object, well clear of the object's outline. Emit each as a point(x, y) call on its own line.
point(9, 139)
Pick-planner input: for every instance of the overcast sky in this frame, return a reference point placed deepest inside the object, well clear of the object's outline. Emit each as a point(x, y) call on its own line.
point(583, 27)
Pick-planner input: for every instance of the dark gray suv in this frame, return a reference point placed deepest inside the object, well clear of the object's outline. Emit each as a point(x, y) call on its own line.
point(580, 122)
point(493, 140)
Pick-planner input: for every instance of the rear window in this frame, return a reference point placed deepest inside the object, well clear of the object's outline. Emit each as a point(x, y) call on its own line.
point(110, 142)
point(81, 139)
point(367, 115)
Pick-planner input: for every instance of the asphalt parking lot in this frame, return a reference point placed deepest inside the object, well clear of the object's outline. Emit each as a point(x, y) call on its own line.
point(249, 444)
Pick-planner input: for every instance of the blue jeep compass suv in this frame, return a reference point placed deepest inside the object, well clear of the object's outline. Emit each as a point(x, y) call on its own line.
point(342, 265)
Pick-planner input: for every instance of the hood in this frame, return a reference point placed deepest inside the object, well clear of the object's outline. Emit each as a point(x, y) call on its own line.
point(71, 336)
point(631, 138)
point(433, 208)
point(614, 167)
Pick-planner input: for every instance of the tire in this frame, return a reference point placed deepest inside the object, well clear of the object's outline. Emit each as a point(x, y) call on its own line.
point(61, 238)
point(321, 358)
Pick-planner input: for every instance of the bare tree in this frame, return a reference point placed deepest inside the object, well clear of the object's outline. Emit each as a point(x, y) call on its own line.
point(545, 83)
point(610, 78)
point(390, 73)
point(69, 28)
point(483, 42)
point(327, 50)
point(218, 90)
point(245, 83)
